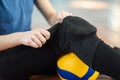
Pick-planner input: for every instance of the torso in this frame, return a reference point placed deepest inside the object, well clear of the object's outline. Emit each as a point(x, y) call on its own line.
point(15, 15)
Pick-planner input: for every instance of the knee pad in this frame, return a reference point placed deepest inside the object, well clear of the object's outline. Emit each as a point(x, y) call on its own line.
point(70, 67)
point(77, 35)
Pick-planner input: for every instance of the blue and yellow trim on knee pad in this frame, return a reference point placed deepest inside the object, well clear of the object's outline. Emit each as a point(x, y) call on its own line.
point(70, 67)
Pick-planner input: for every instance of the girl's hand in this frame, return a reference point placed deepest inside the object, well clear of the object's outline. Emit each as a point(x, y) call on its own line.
point(35, 38)
point(58, 17)
point(61, 15)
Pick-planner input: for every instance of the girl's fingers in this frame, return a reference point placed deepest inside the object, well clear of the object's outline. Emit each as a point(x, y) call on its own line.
point(41, 38)
point(37, 41)
point(45, 33)
point(32, 44)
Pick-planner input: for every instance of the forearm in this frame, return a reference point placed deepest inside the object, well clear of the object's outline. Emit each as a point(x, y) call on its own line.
point(9, 41)
point(35, 38)
point(49, 12)
point(52, 16)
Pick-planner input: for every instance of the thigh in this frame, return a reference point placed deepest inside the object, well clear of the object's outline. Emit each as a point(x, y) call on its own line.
point(21, 62)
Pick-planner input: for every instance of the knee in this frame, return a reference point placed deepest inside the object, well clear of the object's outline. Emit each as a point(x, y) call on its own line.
point(70, 67)
point(76, 26)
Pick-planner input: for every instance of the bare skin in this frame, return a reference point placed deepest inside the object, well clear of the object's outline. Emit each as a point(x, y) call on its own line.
point(35, 38)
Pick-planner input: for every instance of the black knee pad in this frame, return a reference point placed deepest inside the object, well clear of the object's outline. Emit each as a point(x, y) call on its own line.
point(77, 35)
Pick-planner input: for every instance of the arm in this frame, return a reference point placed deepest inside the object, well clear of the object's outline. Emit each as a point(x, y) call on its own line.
point(34, 38)
point(51, 15)
point(8, 41)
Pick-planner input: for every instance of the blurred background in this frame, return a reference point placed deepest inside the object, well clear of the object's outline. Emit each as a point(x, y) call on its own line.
point(104, 14)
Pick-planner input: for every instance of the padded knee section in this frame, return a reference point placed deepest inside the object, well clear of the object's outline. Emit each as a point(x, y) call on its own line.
point(70, 67)
point(77, 35)
point(77, 27)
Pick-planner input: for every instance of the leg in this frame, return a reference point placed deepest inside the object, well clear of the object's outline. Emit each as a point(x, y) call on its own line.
point(78, 36)
point(106, 61)
point(21, 62)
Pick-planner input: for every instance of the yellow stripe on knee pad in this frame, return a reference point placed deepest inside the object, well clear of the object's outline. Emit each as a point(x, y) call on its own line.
point(70, 64)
